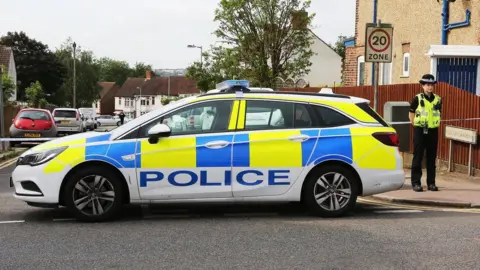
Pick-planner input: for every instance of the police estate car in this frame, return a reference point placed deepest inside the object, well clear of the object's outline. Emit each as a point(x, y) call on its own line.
point(321, 149)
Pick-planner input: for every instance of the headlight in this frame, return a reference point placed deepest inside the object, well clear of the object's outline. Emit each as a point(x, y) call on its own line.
point(39, 158)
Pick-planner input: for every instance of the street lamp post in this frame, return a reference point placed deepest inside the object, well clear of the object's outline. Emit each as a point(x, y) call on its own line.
point(74, 76)
point(201, 52)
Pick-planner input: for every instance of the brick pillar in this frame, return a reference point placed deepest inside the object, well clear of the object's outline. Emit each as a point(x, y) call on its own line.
point(350, 69)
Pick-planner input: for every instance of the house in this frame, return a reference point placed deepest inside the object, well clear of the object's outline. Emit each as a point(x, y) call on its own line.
point(424, 41)
point(138, 96)
point(106, 103)
point(8, 61)
point(326, 68)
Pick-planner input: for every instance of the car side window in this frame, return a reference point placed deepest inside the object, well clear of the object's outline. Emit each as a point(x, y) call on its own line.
point(331, 118)
point(262, 115)
point(206, 117)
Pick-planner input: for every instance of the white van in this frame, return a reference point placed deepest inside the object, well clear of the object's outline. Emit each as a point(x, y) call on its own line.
point(89, 115)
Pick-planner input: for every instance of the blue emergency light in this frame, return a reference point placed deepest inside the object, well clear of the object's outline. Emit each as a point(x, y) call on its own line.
point(231, 83)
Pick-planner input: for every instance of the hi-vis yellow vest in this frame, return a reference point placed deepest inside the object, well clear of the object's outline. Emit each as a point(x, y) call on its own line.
point(427, 115)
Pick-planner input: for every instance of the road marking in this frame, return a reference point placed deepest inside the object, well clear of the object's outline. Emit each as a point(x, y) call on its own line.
point(424, 208)
point(11, 221)
point(8, 163)
point(397, 211)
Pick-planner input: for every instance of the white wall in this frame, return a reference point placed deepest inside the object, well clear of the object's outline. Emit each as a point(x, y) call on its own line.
point(326, 68)
point(12, 73)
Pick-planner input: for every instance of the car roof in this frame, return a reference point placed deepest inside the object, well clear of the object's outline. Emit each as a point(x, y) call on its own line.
point(65, 109)
point(327, 96)
point(34, 109)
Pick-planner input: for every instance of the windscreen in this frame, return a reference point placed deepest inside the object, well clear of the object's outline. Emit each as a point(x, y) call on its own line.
point(34, 115)
point(66, 114)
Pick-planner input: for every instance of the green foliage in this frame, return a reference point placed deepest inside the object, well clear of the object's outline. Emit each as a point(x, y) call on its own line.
point(35, 95)
point(219, 64)
point(87, 76)
point(271, 37)
point(339, 47)
point(8, 85)
point(118, 71)
point(34, 62)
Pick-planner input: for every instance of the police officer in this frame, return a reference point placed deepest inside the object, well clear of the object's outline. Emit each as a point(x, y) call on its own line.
point(122, 117)
point(424, 115)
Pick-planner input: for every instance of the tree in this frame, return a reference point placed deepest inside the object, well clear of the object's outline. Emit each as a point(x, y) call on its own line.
point(140, 69)
point(35, 95)
point(8, 86)
point(272, 36)
point(219, 64)
point(114, 71)
point(87, 76)
point(34, 62)
point(339, 46)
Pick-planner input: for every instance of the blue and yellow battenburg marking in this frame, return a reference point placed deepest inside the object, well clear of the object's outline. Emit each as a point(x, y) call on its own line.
point(266, 149)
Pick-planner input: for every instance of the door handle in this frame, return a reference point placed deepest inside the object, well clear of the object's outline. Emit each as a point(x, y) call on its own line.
point(216, 144)
point(299, 138)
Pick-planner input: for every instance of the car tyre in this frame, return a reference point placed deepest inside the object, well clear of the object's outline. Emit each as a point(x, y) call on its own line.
point(118, 123)
point(324, 198)
point(94, 194)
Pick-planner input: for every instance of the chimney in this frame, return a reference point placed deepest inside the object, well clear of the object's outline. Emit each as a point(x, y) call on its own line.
point(148, 75)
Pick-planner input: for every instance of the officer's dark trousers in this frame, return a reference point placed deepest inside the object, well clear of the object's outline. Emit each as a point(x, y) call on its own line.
point(428, 143)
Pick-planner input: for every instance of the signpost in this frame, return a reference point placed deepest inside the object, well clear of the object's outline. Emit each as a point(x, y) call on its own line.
point(464, 135)
point(378, 49)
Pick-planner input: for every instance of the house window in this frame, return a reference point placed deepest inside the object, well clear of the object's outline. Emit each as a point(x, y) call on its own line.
point(153, 100)
point(119, 101)
point(142, 102)
point(406, 65)
point(148, 101)
point(386, 73)
point(361, 70)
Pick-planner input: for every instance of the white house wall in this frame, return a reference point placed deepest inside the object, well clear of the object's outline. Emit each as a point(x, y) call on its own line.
point(326, 68)
point(12, 73)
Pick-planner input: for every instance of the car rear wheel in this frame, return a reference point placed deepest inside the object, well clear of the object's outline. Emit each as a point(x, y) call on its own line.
point(331, 191)
point(94, 194)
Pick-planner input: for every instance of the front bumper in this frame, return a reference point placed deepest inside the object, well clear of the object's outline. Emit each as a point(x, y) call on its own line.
point(31, 184)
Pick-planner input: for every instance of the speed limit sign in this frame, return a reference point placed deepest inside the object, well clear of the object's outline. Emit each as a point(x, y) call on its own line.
point(378, 43)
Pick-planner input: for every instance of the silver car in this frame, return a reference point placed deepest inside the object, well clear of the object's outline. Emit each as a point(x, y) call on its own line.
point(71, 121)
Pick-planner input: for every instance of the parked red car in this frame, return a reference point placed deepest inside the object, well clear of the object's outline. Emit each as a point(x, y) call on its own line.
point(33, 123)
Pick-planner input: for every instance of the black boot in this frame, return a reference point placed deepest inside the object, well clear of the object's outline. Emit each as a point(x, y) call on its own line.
point(417, 188)
point(432, 187)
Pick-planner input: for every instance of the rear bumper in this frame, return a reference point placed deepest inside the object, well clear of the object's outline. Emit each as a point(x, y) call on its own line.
point(70, 129)
point(29, 134)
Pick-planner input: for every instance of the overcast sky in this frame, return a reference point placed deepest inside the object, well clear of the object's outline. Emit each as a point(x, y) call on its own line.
point(152, 31)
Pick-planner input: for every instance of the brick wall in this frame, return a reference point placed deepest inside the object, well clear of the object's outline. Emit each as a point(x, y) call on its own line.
point(350, 70)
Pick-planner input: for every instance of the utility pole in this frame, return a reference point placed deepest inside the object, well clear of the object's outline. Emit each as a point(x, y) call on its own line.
point(376, 78)
point(2, 116)
point(74, 76)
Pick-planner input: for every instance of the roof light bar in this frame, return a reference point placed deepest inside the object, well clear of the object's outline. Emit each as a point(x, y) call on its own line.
point(225, 85)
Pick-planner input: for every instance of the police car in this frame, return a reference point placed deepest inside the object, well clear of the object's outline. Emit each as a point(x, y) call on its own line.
point(322, 149)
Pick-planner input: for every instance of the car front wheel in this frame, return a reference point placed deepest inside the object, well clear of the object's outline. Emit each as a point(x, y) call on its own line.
point(331, 191)
point(94, 194)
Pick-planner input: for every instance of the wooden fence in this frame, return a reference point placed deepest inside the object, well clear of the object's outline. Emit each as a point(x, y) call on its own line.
point(457, 104)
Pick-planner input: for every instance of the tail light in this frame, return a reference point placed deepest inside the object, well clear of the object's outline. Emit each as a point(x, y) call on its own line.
point(16, 123)
point(387, 138)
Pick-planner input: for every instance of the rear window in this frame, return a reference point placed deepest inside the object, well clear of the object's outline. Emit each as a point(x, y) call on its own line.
point(66, 114)
point(364, 106)
point(34, 115)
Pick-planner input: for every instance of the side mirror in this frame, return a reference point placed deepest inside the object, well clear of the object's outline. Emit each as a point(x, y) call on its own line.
point(157, 131)
point(57, 121)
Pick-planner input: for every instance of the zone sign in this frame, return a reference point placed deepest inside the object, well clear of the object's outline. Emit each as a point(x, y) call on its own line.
point(378, 43)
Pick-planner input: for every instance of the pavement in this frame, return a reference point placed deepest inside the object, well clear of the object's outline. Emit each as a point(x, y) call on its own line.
point(455, 190)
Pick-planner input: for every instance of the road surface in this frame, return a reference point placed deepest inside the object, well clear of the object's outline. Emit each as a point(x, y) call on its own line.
point(278, 236)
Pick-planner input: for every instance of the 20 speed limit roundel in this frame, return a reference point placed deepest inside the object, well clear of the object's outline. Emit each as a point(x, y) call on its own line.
point(379, 40)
